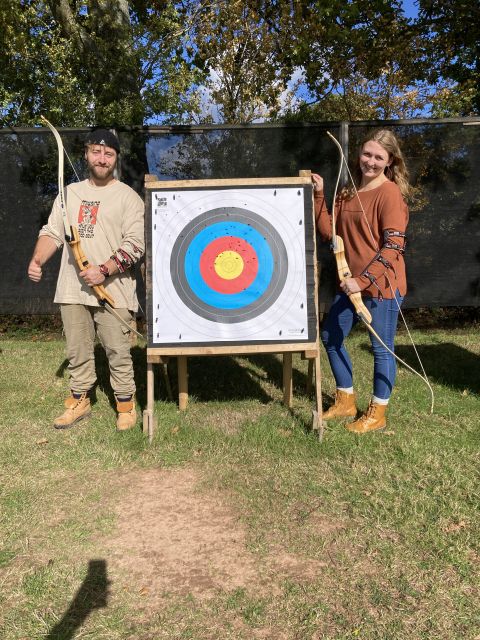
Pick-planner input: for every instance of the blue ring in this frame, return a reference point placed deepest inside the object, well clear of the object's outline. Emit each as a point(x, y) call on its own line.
point(222, 300)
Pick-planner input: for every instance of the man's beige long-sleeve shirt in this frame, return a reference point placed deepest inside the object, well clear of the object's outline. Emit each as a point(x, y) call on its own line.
point(110, 221)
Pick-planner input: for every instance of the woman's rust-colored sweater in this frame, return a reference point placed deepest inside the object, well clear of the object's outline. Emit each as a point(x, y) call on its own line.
point(385, 210)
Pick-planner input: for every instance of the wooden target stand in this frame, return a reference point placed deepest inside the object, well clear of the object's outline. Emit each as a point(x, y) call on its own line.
point(308, 350)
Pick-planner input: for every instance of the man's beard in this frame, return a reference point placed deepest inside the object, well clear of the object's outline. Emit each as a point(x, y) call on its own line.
point(101, 173)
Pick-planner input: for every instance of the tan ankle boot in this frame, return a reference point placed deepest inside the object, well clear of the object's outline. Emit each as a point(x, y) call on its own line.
point(373, 420)
point(345, 406)
point(127, 415)
point(76, 409)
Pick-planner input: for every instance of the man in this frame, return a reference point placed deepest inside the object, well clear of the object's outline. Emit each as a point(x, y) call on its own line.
point(109, 218)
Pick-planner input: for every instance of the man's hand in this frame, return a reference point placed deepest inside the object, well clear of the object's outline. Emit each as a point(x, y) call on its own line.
point(92, 276)
point(44, 250)
point(35, 270)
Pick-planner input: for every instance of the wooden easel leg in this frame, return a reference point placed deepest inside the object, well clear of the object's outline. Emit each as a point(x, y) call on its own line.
point(182, 382)
point(317, 418)
point(287, 379)
point(148, 418)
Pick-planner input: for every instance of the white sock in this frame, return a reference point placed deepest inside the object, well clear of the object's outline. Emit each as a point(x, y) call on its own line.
point(345, 390)
point(380, 400)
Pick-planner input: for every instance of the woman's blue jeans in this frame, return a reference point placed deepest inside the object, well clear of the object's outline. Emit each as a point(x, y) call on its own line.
point(338, 324)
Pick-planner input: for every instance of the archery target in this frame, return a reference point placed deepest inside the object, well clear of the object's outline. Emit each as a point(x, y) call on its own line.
point(228, 265)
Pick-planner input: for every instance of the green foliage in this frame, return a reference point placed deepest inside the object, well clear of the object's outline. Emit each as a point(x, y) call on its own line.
point(82, 64)
point(356, 98)
point(356, 59)
point(455, 99)
point(451, 33)
point(233, 42)
point(36, 76)
point(235, 61)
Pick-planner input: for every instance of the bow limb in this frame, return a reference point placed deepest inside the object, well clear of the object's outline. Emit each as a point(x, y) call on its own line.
point(61, 186)
point(72, 236)
point(344, 163)
point(114, 313)
point(344, 272)
point(365, 315)
point(83, 263)
point(405, 364)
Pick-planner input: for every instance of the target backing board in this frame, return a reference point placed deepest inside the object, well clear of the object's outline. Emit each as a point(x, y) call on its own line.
point(230, 263)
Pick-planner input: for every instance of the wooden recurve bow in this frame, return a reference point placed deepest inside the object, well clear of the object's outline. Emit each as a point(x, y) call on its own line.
point(344, 272)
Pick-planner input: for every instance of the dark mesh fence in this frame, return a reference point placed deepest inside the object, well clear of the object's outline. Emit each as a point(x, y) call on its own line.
point(443, 253)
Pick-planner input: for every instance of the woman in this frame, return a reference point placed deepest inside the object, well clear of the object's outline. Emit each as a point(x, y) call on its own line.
point(371, 220)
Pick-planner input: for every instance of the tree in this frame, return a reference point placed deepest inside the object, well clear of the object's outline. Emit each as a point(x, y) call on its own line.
point(108, 61)
point(342, 50)
point(451, 36)
point(348, 49)
point(102, 37)
point(364, 60)
point(137, 61)
point(234, 45)
point(356, 98)
point(34, 69)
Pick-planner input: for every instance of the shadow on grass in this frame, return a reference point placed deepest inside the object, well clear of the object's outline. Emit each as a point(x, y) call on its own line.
point(60, 372)
point(210, 378)
point(92, 594)
point(220, 378)
point(445, 363)
point(273, 367)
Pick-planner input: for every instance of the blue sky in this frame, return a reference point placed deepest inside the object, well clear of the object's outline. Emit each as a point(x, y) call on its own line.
point(410, 9)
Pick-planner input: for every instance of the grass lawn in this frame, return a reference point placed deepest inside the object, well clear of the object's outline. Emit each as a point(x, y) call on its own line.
point(236, 522)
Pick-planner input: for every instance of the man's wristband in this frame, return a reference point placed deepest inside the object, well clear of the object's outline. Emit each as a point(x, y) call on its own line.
point(104, 270)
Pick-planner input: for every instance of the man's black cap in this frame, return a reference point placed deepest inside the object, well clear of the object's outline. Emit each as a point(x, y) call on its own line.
point(103, 136)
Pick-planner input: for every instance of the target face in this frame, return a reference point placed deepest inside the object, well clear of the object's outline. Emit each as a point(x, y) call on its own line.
point(215, 265)
point(228, 266)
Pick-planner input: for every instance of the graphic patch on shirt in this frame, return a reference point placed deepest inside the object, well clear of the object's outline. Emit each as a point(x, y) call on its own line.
point(87, 218)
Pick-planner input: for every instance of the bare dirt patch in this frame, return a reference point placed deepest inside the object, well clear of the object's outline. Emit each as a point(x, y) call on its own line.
point(171, 537)
point(174, 537)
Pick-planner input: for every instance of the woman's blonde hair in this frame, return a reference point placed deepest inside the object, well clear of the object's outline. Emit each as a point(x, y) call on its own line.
point(396, 171)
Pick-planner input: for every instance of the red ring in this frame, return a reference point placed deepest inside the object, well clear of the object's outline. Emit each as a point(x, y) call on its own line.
point(223, 285)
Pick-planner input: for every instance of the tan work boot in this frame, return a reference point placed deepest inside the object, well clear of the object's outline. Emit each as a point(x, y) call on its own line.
point(76, 409)
point(373, 420)
point(345, 406)
point(127, 414)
